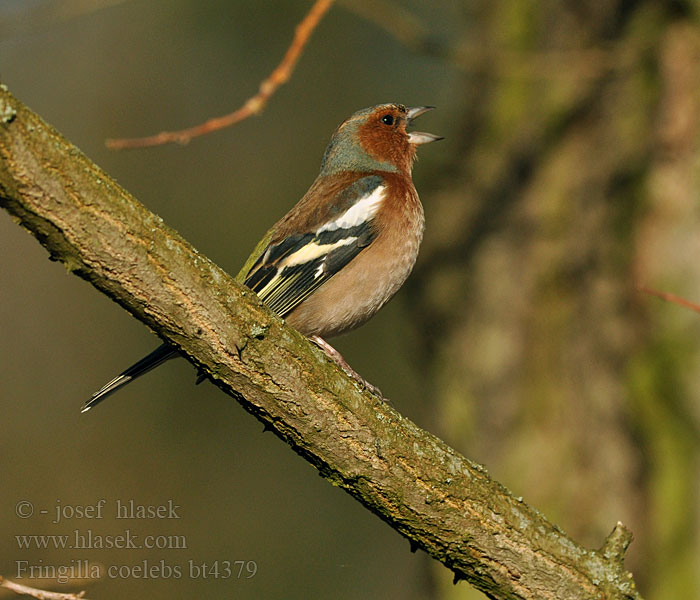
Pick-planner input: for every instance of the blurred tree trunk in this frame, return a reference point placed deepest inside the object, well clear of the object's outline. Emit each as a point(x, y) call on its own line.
point(575, 179)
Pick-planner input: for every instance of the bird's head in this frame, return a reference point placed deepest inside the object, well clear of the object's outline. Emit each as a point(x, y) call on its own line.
point(375, 138)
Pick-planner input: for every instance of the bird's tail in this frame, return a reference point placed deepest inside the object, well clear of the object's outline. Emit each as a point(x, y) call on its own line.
point(158, 356)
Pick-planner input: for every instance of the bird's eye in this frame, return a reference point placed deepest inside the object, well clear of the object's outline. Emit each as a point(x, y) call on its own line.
point(388, 119)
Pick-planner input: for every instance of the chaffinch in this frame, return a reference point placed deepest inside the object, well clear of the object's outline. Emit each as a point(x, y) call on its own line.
point(349, 244)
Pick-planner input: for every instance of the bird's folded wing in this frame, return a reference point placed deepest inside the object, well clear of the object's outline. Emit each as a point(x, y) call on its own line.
point(290, 270)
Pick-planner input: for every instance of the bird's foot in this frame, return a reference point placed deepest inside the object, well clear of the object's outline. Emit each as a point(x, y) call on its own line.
point(337, 357)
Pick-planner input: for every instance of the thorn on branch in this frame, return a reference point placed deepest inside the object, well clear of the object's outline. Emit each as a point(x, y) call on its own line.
point(414, 546)
point(616, 543)
point(458, 577)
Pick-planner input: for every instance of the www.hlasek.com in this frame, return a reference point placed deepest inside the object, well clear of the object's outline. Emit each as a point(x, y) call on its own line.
point(87, 539)
point(160, 569)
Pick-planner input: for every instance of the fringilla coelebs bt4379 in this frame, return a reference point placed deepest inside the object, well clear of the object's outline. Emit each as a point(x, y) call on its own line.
point(349, 244)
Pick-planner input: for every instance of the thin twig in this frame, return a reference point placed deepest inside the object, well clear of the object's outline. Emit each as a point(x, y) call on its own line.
point(671, 298)
point(25, 590)
point(408, 30)
point(396, 20)
point(253, 105)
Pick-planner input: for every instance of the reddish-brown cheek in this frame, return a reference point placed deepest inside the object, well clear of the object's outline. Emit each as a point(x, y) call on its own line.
point(386, 145)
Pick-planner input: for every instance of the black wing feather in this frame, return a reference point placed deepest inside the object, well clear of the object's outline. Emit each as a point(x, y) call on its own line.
point(297, 282)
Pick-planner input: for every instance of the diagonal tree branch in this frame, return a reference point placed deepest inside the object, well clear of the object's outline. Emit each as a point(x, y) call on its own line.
point(442, 502)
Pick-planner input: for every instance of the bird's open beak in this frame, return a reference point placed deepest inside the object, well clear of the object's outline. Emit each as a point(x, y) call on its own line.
point(419, 137)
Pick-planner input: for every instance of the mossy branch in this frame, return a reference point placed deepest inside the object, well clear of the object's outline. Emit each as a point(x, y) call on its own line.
point(442, 502)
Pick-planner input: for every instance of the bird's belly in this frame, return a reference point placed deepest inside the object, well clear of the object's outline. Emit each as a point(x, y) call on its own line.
point(358, 291)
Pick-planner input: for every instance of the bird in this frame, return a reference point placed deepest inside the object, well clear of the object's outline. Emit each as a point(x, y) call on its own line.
point(349, 244)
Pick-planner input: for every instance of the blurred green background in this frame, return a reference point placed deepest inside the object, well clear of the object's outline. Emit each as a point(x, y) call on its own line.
point(569, 177)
